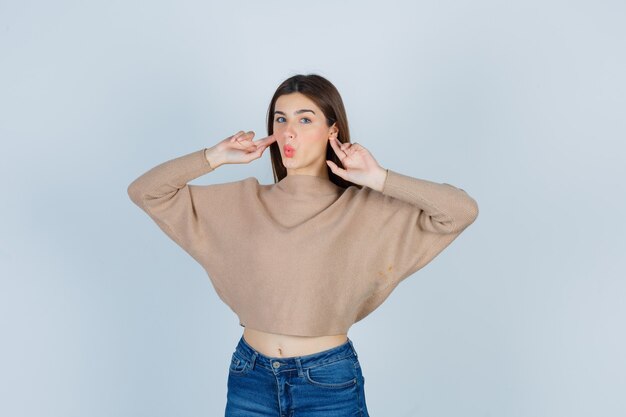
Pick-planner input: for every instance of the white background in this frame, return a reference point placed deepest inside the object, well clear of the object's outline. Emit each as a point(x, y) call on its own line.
point(522, 104)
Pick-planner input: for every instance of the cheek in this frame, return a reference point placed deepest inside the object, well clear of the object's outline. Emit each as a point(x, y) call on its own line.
point(312, 140)
point(315, 135)
point(314, 144)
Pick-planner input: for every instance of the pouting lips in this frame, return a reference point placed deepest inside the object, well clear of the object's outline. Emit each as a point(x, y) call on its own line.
point(289, 150)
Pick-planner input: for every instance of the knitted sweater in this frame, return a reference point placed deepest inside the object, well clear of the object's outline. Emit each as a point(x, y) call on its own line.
point(302, 256)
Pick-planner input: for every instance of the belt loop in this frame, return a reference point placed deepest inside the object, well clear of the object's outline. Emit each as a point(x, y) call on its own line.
point(299, 366)
point(353, 349)
point(253, 360)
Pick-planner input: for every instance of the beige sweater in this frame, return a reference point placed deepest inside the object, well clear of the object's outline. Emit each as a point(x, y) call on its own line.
point(302, 256)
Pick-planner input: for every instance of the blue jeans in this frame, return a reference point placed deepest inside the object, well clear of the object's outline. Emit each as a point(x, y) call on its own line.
point(327, 383)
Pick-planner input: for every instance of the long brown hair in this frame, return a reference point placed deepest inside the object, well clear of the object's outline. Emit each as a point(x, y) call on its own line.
point(324, 94)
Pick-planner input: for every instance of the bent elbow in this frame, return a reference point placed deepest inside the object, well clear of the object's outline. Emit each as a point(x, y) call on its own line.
point(135, 193)
point(463, 217)
point(469, 215)
point(473, 211)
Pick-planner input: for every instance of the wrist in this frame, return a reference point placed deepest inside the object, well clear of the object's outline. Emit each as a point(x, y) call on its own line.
point(211, 157)
point(378, 179)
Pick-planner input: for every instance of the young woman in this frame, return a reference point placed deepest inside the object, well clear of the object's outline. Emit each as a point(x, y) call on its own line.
point(301, 260)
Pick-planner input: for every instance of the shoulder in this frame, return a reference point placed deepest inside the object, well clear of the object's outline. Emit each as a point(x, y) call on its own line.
point(229, 185)
point(363, 195)
point(224, 190)
point(376, 201)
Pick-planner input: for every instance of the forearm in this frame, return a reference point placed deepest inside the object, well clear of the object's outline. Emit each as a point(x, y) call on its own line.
point(170, 176)
point(448, 206)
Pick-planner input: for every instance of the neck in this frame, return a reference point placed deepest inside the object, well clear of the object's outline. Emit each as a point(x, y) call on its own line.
point(321, 174)
point(308, 185)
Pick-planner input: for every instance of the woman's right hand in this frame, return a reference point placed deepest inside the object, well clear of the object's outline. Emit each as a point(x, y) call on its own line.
point(238, 149)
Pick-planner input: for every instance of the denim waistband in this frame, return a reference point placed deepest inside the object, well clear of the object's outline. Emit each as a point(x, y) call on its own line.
point(274, 363)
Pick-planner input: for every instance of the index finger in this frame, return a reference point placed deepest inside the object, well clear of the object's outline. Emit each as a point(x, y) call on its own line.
point(265, 141)
point(335, 144)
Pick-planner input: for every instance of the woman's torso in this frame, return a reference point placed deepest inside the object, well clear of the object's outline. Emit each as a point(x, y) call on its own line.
point(285, 346)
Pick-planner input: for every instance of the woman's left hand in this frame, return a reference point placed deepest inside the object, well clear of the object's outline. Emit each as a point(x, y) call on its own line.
point(360, 166)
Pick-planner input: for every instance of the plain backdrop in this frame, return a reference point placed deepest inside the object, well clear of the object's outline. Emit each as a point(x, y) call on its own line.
point(522, 104)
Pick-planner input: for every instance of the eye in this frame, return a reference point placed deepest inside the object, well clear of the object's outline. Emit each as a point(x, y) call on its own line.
point(304, 118)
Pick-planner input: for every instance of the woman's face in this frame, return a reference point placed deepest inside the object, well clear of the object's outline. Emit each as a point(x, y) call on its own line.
point(302, 135)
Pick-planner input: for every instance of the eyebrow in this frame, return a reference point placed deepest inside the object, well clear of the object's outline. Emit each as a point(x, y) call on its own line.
point(296, 112)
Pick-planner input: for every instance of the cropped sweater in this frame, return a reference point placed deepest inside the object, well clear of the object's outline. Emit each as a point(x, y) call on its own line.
point(302, 256)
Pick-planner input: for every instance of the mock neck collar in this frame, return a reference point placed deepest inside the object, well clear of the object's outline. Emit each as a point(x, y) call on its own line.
point(307, 186)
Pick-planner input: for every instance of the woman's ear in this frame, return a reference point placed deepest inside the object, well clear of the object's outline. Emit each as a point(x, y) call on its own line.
point(334, 131)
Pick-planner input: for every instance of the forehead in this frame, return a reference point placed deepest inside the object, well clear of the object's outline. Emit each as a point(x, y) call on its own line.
point(295, 101)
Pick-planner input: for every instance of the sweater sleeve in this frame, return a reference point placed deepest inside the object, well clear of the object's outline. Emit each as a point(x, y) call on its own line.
point(441, 207)
point(420, 219)
point(163, 193)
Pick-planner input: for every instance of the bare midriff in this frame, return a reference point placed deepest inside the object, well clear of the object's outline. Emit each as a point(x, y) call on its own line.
point(286, 346)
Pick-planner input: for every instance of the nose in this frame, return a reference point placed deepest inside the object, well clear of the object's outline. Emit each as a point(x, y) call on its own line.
point(289, 134)
point(286, 131)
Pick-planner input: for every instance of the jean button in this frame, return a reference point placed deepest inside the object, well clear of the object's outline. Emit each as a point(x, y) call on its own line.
point(276, 364)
